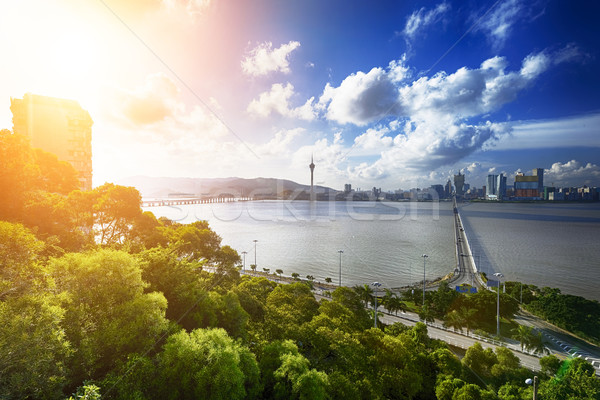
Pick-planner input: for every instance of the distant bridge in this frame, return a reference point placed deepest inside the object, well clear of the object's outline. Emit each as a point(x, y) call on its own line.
point(195, 200)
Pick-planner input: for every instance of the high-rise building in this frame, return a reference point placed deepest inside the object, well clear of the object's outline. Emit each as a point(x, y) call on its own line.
point(439, 190)
point(57, 126)
point(459, 184)
point(448, 189)
point(347, 188)
point(530, 186)
point(495, 187)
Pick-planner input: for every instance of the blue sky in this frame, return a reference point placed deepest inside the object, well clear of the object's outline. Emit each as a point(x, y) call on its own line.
point(382, 93)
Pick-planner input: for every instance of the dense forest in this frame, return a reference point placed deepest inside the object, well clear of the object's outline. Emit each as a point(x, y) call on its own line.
point(99, 299)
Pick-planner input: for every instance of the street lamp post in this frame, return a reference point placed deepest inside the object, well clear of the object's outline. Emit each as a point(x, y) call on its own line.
point(255, 265)
point(533, 382)
point(376, 285)
point(424, 258)
point(244, 265)
point(499, 276)
point(340, 276)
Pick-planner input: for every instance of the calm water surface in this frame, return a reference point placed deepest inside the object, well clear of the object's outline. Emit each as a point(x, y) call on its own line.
point(381, 241)
point(545, 244)
point(555, 245)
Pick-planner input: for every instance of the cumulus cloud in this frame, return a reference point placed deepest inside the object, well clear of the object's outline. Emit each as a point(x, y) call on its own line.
point(421, 18)
point(263, 59)
point(439, 113)
point(152, 102)
point(277, 101)
point(572, 172)
point(374, 139)
point(279, 145)
point(365, 97)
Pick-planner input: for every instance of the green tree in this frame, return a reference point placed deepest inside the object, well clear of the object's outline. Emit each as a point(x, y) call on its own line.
point(87, 392)
point(523, 334)
point(575, 380)
point(252, 294)
point(196, 241)
point(279, 271)
point(550, 364)
point(19, 250)
point(365, 292)
point(479, 360)
point(115, 208)
point(295, 275)
point(287, 308)
point(108, 315)
point(55, 176)
point(18, 172)
point(33, 348)
point(208, 364)
point(454, 320)
point(426, 314)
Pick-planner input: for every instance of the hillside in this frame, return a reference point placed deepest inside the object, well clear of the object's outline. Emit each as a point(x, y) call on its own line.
point(151, 187)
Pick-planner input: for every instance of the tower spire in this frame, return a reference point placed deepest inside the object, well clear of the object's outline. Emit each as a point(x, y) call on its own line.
point(312, 168)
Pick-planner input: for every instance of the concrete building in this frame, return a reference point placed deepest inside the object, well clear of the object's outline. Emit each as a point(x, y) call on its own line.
point(439, 190)
point(57, 126)
point(495, 187)
point(459, 184)
point(347, 188)
point(448, 189)
point(530, 187)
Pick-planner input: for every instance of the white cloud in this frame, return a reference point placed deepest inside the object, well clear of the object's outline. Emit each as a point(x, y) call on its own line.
point(279, 145)
point(263, 59)
point(439, 112)
point(572, 172)
point(277, 100)
point(421, 18)
point(193, 8)
point(152, 102)
point(362, 98)
point(499, 24)
point(374, 139)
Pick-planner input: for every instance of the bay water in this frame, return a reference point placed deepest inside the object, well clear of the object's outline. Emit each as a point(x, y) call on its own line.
point(553, 245)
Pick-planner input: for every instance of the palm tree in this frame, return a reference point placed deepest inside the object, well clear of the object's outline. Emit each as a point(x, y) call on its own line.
point(279, 271)
point(328, 280)
point(310, 277)
point(523, 334)
point(267, 270)
point(454, 320)
point(394, 305)
point(536, 343)
point(253, 267)
point(365, 293)
point(467, 315)
point(295, 275)
point(387, 297)
point(425, 314)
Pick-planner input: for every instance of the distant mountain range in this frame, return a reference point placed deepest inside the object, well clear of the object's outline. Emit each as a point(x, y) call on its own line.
point(164, 187)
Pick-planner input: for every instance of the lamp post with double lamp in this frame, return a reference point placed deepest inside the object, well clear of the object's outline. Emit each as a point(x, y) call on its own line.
point(255, 265)
point(376, 285)
point(244, 265)
point(340, 276)
point(499, 276)
point(424, 258)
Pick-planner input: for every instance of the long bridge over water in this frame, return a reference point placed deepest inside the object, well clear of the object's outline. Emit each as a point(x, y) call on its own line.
point(192, 200)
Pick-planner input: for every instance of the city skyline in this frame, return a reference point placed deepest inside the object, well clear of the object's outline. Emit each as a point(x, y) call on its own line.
point(391, 95)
